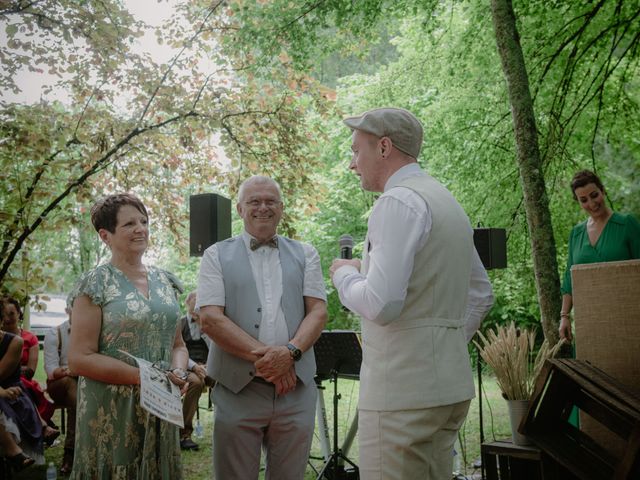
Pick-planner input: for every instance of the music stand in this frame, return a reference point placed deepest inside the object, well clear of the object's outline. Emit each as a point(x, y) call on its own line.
point(338, 354)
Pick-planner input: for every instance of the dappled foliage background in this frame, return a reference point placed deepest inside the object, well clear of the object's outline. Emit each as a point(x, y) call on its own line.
point(269, 81)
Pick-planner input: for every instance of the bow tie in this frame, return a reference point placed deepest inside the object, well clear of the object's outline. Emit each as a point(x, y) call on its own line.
point(255, 244)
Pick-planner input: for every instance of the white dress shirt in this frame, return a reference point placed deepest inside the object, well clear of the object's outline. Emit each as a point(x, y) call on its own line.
point(194, 328)
point(399, 225)
point(51, 342)
point(196, 334)
point(267, 273)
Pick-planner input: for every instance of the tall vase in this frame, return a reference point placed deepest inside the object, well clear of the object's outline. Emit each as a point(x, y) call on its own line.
point(517, 410)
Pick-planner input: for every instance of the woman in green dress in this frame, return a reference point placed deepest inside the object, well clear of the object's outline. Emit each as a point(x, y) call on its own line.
point(606, 236)
point(124, 305)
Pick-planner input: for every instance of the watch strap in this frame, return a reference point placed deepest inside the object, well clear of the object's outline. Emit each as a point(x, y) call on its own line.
point(294, 351)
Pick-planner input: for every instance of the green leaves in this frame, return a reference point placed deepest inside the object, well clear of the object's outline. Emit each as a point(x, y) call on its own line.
point(11, 30)
point(261, 87)
point(132, 124)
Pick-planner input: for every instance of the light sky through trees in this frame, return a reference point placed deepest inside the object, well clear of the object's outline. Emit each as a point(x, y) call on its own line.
point(151, 12)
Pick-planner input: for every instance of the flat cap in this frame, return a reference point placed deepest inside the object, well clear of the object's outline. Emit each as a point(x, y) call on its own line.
point(401, 126)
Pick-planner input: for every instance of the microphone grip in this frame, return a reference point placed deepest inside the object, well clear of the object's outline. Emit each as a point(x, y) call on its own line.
point(346, 250)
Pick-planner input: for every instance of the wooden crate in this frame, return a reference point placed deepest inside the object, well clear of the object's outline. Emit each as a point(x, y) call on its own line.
point(502, 460)
point(564, 384)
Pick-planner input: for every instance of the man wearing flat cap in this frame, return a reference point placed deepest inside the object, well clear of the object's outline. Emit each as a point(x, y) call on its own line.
point(422, 292)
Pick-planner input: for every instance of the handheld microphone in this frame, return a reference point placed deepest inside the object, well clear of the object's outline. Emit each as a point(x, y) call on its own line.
point(346, 249)
point(346, 246)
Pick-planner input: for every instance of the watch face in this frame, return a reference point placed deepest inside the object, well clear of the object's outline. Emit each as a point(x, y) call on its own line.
point(180, 373)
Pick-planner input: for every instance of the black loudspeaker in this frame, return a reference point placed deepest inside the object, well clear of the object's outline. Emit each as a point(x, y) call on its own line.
point(209, 221)
point(491, 244)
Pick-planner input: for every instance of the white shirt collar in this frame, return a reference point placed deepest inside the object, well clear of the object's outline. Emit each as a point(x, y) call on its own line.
point(402, 173)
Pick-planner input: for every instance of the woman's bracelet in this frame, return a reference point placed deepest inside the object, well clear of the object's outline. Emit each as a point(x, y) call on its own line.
point(564, 314)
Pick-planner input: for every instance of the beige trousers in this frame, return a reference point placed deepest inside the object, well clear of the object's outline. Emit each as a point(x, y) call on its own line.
point(409, 444)
point(190, 403)
point(256, 419)
point(63, 391)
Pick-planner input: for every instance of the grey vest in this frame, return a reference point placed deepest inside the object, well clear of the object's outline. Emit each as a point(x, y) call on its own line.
point(242, 306)
point(420, 359)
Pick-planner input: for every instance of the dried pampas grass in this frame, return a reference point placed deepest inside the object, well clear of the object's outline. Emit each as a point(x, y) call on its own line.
point(509, 352)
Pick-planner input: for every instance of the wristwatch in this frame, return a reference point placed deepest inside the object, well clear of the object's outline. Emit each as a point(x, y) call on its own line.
point(294, 351)
point(180, 373)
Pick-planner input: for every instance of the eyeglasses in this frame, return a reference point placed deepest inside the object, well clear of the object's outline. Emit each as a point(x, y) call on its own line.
point(267, 203)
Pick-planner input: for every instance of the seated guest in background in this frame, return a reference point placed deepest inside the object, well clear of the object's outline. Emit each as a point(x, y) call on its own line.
point(10, 436)
point(17, 408)
point(196, 377)
point(61, 383)
point(605, 236)
point(11, 319)
point(198, 351)
point(194, 339)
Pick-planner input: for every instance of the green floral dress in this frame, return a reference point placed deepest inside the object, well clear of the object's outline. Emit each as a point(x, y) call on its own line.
point(115, 437)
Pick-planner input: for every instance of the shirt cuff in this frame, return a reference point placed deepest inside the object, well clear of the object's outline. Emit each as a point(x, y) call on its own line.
point(342, 273)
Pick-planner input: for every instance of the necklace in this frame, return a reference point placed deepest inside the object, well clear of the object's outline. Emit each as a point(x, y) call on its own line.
point(135, 271)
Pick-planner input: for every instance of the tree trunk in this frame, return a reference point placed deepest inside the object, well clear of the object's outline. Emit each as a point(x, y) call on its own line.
point(536, 201)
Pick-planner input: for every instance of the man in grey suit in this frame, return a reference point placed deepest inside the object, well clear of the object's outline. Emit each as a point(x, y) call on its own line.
point(421, 291)
point(262, 300)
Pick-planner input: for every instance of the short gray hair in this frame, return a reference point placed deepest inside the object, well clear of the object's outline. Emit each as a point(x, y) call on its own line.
point(258, 179)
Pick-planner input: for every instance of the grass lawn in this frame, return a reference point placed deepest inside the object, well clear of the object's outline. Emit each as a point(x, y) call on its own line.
point(198, 465)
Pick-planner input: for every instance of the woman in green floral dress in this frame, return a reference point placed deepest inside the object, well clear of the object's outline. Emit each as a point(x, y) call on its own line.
point(124, 305)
